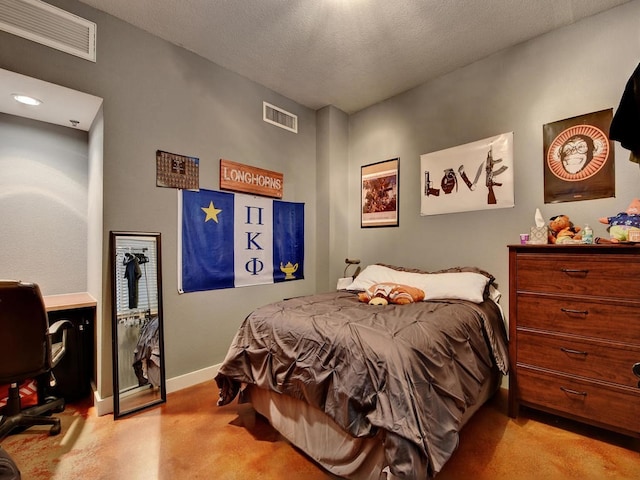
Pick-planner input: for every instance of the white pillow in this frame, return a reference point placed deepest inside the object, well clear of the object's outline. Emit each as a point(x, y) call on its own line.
point(379, 274)
point(455, 285)
point(436, 286)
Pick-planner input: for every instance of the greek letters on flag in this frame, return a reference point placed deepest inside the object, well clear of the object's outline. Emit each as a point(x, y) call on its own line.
point(231, 240)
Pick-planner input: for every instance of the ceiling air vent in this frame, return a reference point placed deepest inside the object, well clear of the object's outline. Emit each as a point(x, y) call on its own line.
point(279, 117)
point(50, 26)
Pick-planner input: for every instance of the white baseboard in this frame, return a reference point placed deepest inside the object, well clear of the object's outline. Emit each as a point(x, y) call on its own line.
point(193, 378)
point(104, 406)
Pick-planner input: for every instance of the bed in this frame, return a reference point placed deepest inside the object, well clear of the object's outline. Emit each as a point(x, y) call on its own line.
point(373, 391)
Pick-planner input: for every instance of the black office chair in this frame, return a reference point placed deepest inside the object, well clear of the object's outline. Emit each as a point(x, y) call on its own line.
point(29, 349)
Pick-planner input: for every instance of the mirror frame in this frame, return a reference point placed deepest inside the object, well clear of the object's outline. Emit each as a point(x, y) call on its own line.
point(153, 395)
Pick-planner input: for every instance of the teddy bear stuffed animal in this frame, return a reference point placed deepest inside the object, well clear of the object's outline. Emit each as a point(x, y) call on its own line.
point(562, 230)
point(623, 223)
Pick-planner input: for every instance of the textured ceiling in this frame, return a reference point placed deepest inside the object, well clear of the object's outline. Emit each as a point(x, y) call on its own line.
point(347, 53)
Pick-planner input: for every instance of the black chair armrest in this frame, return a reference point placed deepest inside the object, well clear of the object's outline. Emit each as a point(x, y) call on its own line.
point(58, 349)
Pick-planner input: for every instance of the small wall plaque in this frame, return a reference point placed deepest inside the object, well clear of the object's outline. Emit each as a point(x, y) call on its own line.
point(177, 171)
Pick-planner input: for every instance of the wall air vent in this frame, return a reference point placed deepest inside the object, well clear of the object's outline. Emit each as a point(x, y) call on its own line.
point(50, 26)
point(279, 117)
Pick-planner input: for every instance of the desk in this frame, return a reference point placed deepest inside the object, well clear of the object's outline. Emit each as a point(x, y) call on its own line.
point(75, 371)
point(69, 301)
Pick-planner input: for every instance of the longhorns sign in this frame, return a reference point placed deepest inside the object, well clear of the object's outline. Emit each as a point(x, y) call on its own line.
point(237, 177)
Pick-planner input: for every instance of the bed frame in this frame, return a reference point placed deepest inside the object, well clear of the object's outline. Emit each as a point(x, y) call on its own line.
point(317, 435)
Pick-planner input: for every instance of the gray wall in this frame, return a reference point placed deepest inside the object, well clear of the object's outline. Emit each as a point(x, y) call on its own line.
point(43, 192)
point(159, 96)
point(573, 71)
point(333, 195)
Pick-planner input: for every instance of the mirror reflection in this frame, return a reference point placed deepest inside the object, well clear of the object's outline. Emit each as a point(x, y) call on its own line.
point(138, 354)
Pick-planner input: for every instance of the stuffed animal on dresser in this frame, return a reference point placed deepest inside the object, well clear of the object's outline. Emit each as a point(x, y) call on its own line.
point(624, 222)
point(562, 230)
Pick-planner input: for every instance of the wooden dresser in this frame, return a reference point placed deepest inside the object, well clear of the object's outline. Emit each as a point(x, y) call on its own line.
point(574, 332)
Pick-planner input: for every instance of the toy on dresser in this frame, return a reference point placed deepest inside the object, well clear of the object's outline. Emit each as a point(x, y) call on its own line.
point(562, 230)
point(625, 226)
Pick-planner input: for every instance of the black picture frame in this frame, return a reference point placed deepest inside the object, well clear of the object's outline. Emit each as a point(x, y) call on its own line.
point(380, 194)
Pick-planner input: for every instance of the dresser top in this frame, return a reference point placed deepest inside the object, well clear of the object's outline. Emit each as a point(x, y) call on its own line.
point(609, 248)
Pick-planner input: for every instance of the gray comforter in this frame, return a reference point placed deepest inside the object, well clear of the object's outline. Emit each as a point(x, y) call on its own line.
point(411, 370)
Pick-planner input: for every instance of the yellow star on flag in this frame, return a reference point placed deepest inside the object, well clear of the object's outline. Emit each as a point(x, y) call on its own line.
point(212, 212)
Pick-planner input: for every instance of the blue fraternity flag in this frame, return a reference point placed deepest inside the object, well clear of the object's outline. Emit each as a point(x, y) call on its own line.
point(230, 240)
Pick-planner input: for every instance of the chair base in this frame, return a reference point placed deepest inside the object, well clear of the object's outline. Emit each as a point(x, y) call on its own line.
point(38, 415)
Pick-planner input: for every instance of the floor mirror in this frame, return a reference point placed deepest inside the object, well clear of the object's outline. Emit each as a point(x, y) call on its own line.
point(138, 347)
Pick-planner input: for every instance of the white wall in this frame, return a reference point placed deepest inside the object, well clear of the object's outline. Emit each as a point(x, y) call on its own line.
point(43, 207)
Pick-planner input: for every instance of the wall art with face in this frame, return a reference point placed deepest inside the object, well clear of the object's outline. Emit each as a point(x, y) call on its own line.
point(578, 158)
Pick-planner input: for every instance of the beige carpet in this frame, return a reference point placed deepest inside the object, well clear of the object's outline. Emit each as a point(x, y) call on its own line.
point(190, 438)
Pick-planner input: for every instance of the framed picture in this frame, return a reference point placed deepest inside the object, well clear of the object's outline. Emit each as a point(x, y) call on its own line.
point(473, 176)
point(379, 193)
point(579, 158)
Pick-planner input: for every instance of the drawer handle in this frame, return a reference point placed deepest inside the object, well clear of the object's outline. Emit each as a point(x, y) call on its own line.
point(573, 392)
point(578, 312)
point(574, 352)
point(570, 271)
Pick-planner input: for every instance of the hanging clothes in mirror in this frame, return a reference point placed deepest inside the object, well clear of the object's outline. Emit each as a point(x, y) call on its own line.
point(132, 273)
point(146, 361)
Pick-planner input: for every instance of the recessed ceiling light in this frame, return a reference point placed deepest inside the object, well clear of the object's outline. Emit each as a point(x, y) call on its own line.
point(27, 100)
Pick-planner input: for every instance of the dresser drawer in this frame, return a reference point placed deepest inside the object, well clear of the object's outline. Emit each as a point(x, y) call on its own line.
point(594, 275)
point(592, 359)
point(620, 322)
point(617, 407)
